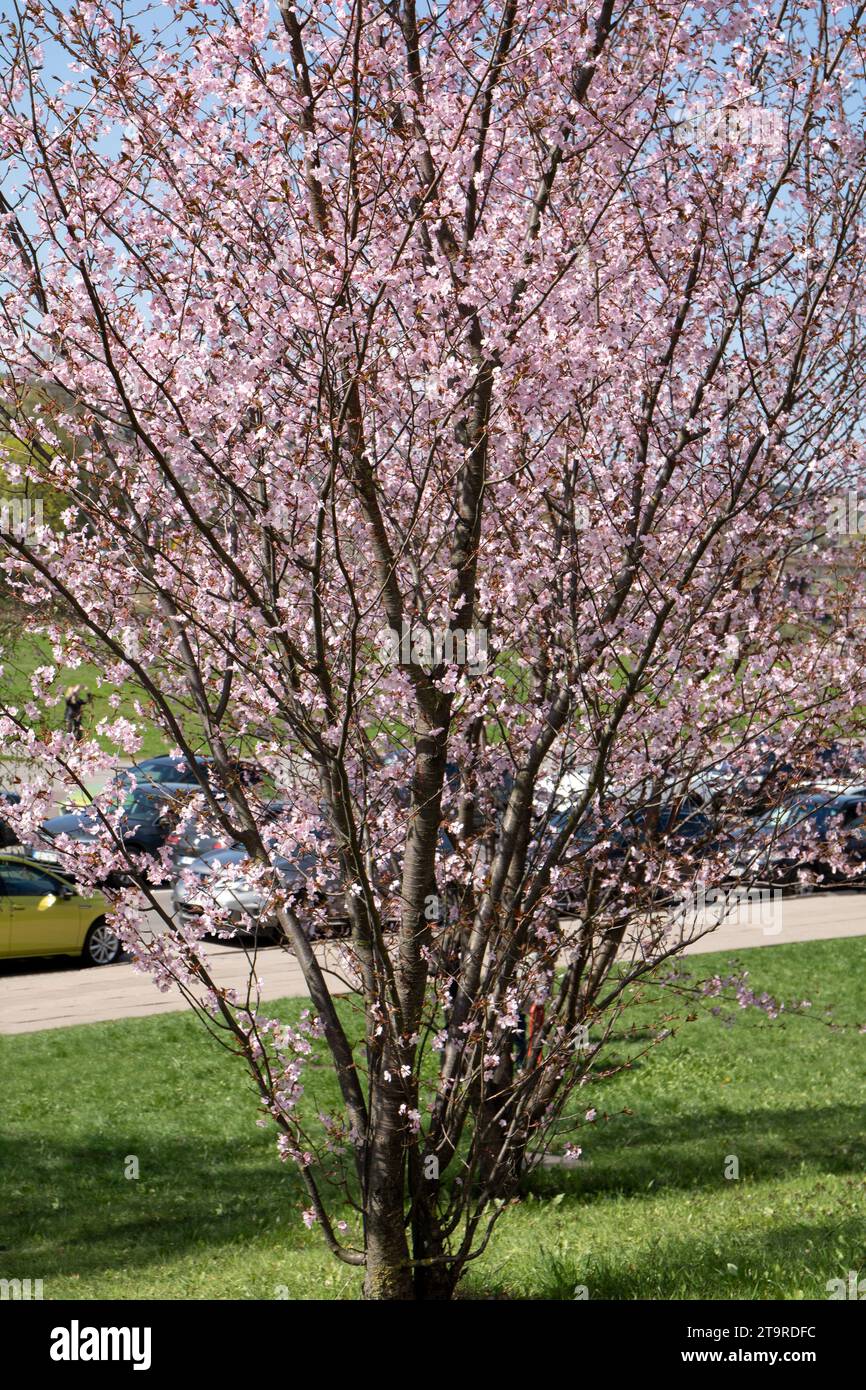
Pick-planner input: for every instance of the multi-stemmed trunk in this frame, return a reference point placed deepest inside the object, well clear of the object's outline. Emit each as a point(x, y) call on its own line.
point(406, 1250)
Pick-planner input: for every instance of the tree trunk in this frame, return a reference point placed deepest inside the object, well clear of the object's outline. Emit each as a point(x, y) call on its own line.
point(498, 1174)
point(388, 1275)
point(435, 1281)
point(389, 1271)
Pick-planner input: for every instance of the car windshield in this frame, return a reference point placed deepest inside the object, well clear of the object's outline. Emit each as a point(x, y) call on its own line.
point(157, 773)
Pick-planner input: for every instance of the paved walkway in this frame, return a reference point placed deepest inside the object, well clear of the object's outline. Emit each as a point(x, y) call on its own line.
point(777, 920)
point(55, 993)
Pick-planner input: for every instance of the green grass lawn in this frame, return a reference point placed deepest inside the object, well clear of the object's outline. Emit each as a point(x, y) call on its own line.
point(22, 652)
point(29, 651)
point(648, 1214)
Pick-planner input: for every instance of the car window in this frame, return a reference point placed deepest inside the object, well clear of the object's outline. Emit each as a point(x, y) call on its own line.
point(19, 881)
point(816, 815)
point(7, 835)
point(829, 817)
point(173, 772)
point(795, 814)
point(156, 774)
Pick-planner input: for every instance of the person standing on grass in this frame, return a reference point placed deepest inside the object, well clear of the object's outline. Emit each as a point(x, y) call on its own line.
point(75, 697)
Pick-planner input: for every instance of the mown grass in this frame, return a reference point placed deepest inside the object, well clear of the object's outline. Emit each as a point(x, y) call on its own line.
point(21, 652)
point(649, 1212)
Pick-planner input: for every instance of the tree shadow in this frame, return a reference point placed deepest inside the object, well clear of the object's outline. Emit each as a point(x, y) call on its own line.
point(631, 1154)
point(74, 1209)
point(794, 1259)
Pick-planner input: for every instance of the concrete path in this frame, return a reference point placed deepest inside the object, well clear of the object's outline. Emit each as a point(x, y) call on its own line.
point(56, 993)
point(776, 920)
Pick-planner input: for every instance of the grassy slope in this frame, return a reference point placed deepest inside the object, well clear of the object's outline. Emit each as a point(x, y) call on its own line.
point(21, 657)
point(649, 1215)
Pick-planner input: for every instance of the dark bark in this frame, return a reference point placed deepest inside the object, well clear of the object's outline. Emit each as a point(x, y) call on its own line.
point(389, 1269)
point(436, 1280)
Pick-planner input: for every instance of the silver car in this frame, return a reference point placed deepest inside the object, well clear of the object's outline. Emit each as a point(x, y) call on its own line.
point(219, 879)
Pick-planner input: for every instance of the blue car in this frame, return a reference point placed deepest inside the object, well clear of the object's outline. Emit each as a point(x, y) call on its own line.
point(147, 817)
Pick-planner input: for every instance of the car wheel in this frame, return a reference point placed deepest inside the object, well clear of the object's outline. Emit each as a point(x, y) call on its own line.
point(101, 946)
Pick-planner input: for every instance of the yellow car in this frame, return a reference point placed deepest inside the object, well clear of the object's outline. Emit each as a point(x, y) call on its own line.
point(42, 915)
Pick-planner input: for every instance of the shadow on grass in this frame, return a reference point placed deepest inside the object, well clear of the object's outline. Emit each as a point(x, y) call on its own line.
point(630, 1155)
point(73, 1206)
point(783, 1262)
point(72, 1203)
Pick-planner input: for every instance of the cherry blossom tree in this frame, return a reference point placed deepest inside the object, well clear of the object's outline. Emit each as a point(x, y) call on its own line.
point(449, 401)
